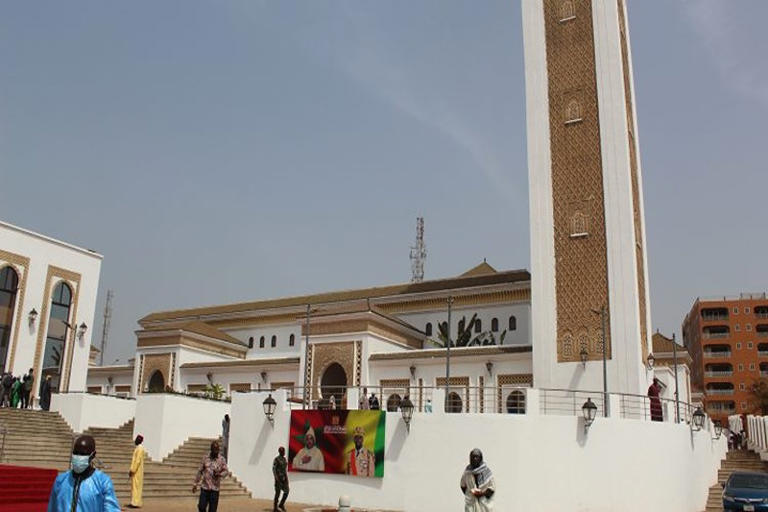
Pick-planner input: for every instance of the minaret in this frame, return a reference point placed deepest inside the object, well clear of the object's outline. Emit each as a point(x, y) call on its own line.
point(586, 201)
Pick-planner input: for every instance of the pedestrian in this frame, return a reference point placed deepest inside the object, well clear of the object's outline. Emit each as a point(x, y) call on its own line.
point(2, 389)
point(26, 389)
point(477, 484)
point(428, 405)
point(84, 488)
point(225, 436)
point(45, 394)
point(363, 402)
point(212, 469)
point(373, 402)
point(654, 390)
point(332, 403)
point(16, 392)
point(280, 472)
point(136, 473)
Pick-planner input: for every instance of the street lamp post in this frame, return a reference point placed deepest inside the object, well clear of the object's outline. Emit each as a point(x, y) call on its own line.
point(677, 394)
point(603, 312)
point(448, 353)
point(305, 402)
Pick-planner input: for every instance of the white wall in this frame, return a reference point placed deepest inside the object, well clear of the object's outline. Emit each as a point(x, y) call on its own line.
point(539, 462)
point(282, 331)
point(166, 421)
point(82, 411)
point(522, 311)
point(42, 253)
point(227, 376)
point(121, 376)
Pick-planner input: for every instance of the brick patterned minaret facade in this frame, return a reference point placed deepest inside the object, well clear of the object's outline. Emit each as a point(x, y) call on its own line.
point(587, 229)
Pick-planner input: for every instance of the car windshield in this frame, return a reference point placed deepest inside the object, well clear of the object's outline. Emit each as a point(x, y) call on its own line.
point(749, 481)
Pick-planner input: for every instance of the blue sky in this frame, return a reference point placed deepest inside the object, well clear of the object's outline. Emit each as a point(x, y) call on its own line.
point(224, 151)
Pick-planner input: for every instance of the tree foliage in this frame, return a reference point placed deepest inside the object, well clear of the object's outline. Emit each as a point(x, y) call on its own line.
point(759, 390)
point(464, 337)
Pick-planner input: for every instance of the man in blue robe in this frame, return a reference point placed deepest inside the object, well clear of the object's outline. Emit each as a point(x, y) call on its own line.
point(85, 488)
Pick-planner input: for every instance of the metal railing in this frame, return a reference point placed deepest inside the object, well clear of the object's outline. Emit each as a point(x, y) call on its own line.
point(568, 402)
point(762, 353)
point(716, 335)
point(719, 391)
point(713, 354)
point(714, 318)
point(643, 407)
point(762, 334)
point(719, 373)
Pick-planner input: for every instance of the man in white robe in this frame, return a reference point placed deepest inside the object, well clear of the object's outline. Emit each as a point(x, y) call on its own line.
point(477, 484)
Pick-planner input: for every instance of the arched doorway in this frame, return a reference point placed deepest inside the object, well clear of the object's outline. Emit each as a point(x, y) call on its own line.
point(453, 402)
point(393, 402)
point(334, 383)
point(516, 402)
point(156, 382)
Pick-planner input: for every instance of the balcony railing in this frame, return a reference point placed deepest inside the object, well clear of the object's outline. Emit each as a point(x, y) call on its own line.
point(719, 391)
point(712, 318)
point(720, 410)
point(762, 334)
point(717, 335)
point(764, 373)
point(719, 353)
point(719, 373)
point(762, 353)
point(761, 315)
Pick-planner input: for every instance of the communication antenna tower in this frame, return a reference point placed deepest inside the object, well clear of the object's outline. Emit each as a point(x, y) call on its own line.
point(418, 253)
point(105, 327)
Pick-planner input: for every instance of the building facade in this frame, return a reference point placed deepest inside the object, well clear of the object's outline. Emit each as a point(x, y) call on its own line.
point(387, 338)
point(47, 301)
point(727, 338)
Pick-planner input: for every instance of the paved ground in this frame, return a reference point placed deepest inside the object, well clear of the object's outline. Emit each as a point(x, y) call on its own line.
point(225, 505)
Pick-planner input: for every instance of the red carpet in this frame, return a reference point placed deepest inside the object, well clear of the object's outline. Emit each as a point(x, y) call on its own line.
point(24, 489)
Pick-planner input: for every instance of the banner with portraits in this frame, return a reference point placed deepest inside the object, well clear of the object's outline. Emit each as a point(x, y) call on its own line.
point(335, 441)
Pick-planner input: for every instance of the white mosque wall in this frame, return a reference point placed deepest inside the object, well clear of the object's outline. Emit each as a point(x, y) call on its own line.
point(44, 252)
point(521, 311)
point(121, 376)
point(82, 410)
point(251, 375)
point(282, 332)
point(166, 421)
point(539, 462)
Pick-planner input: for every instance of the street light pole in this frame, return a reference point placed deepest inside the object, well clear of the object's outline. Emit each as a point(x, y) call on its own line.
point(603, 314)
point(306, 360)
point(448, 353)
point(677, 394)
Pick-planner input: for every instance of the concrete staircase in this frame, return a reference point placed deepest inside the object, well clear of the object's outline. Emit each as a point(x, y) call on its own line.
point(43, 439)
point(735, 460)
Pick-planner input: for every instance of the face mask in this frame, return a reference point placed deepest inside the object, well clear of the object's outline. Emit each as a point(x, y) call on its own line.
point(80, 463)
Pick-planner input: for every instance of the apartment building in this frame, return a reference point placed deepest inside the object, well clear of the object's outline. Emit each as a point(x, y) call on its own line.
point(727, 338)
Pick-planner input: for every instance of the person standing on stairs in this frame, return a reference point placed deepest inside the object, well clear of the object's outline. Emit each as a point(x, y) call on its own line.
point(212, 469)
point(84, 488)
point(45, 394)
point(26, 389)
point(136, 473)
point(280, 472)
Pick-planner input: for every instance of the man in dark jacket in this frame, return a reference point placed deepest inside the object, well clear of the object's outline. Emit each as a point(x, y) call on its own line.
point(26, 389)
point(5, 398)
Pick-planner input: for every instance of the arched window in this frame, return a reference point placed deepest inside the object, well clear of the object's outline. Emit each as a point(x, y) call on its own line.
point(516, 402)
point(9, 284)
point(428, 329)
point(478, 326)
point(495, 324)
point(573, 112)
point(291, 340)
point(273, 343)
point(567, 11)
point(156, 382)
point(56, 338)
point(453, 403)
point(261, 342)
point(250, 342)
point(512, 323)
point(444, 326)
point(579, 225)
point(462, 324)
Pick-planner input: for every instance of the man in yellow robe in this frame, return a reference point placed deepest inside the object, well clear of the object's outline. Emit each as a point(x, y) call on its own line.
point(136, 473)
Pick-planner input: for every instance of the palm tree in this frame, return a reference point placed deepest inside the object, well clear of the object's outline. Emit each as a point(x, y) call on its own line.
point(464, 336)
